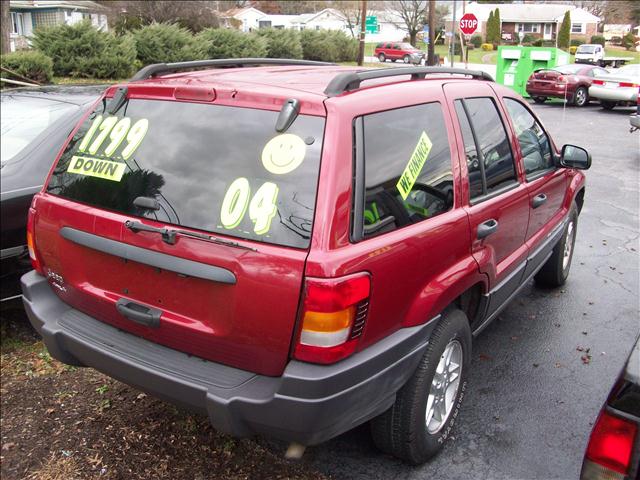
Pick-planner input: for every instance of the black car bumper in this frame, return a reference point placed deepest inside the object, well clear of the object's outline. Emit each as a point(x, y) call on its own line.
point(308, 404)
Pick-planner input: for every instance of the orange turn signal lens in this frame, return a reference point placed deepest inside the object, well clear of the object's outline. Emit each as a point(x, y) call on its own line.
point(328, 322)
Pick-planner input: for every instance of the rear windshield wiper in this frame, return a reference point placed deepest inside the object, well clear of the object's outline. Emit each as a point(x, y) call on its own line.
point(169, 235)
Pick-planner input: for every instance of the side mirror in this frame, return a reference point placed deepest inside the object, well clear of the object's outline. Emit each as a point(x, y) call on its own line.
point(575, 157)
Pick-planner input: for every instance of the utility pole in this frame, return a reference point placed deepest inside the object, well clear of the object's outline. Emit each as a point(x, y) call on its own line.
point(363, 22)
point(432, 33)
point(452, 38)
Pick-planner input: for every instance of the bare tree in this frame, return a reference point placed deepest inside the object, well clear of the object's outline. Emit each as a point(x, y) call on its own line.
point(352, 11)
point(191, 14)
point(6, 26)
point(409, 14)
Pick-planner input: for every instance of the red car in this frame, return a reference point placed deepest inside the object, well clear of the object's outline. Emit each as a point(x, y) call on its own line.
point(296, 249)
point(567, 81)
point(398, 51)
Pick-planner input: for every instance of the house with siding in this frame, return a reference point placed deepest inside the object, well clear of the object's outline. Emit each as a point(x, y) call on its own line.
point(540, 20)
point(27, 15)
point(250, 18)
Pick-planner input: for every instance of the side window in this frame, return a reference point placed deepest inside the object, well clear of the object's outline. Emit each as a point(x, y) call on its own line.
point(388, 45)
point(471, 153)
point(494, 152)
point(407, 167)
point(534, 143)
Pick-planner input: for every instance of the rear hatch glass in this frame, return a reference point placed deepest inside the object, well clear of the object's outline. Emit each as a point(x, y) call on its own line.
point(215, 168)
point(212, 171)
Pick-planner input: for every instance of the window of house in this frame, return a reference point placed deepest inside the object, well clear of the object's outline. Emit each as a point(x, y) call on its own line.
point(264, 23)
point(534, 143)
point(407, 167)
point(529, 27)
point(577, 28)
point(495, 164)
point(17, 25)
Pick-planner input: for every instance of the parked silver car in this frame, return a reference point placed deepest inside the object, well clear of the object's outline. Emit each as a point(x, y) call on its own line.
point(619, 88)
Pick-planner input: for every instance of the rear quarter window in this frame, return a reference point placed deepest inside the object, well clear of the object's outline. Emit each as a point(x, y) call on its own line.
point(407, 167)
point(209, 167)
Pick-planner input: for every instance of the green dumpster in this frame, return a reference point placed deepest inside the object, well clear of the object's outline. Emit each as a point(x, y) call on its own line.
point(516, 64)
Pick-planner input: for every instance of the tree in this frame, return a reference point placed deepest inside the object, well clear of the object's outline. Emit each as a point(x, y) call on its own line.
point(409, 14)
point(191, 14)
point(6, 26)
point(497, 27)
point(564, 35)
point(351, 10)
point(489, 34)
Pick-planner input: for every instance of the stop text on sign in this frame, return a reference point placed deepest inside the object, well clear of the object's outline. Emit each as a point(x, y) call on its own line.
point(468, 23)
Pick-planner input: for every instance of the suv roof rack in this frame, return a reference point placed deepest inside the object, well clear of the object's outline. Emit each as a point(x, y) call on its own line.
point(345, 82)
point(160, 68)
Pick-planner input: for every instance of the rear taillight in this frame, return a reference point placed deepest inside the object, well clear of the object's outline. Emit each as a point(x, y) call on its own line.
point(333, 316)
point(628, 84)
point(598, 82)
point(610, 448)
point(31, 241)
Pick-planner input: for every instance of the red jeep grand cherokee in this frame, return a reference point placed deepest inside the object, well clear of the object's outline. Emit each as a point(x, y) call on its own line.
point(398, 51)
point(292, 253)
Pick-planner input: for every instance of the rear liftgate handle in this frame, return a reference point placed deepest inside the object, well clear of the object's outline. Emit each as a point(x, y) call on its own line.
point(487, 228)
point(141, 314)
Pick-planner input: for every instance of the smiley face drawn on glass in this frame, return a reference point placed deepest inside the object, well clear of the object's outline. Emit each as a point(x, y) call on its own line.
point(283, 153)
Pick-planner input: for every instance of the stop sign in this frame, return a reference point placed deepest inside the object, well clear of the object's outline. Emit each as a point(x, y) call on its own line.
point(468, 23)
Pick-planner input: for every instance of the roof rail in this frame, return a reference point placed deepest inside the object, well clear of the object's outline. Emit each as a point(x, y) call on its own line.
point(160, 68)
point(345, 82)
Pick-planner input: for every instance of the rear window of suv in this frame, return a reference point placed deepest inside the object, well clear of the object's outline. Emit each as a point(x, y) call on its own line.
point(209, 167)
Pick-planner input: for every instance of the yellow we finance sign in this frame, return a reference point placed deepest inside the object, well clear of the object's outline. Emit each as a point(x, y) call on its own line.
point(414, 167)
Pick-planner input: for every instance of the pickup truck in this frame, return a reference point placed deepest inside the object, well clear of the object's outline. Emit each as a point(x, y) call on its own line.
point(594, 54)
point(295, 248)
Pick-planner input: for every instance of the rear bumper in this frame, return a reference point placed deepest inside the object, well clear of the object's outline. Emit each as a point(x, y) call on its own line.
point(619, 94)
point(308, 404)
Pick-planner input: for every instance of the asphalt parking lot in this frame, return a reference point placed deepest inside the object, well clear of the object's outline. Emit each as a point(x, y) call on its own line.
point(531, 400)
point(533, 394)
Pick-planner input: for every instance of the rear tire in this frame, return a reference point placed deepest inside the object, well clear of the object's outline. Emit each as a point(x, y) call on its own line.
point(382, 58)
point(607, 105)
point(408, 430)
point(581, 97)
point(555, 271)
point(406, 59)
point(539, 99)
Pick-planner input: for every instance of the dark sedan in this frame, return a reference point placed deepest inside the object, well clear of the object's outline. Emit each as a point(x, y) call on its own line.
point(34, 124)
point(567, 81)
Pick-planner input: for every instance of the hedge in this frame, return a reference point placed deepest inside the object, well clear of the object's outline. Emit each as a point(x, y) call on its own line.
point(328, 46)
point(572, 49)
point(163, 43)
point(599, 39)
point(487, 47)
point(476, 40)
point(281, 43)
point(82, 51)
point(576, 42)
point(30, 64)
point(226, 43)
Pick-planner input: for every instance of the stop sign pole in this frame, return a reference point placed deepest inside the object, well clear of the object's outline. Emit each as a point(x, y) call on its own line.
point(468, 25)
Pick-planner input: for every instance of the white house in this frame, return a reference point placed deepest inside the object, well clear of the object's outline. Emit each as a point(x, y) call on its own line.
point(615, 30)
point(541, 20)
point(26, 15)
point(390, 28)
point(250, 18)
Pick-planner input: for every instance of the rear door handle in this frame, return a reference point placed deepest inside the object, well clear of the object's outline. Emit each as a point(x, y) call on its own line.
point(538, 200)
point(487, 228)
point(141, 314)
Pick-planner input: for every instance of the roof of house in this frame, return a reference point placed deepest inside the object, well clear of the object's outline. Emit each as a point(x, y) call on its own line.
point(301, 18)
point(529, 12)
point(68, 5)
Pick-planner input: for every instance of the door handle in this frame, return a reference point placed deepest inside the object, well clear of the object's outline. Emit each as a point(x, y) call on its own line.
point(141, 314)
point(538, 200)
point(487, 228)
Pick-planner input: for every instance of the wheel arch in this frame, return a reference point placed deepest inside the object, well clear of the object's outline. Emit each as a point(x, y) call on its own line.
point(460, 285)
